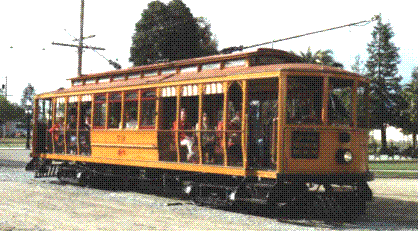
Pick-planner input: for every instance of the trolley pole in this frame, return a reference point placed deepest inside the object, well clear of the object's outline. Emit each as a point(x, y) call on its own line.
point(80, 45)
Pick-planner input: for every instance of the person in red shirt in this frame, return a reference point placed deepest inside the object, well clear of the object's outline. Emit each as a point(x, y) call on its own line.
point(185, 140)
point(57, 137)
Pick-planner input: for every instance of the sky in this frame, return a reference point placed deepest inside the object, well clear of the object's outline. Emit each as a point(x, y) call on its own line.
point(29, 27)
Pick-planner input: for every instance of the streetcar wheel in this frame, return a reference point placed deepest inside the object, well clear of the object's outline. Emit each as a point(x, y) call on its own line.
point(86, 179)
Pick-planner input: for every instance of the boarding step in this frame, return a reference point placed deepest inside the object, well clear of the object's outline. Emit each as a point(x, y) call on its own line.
point(46, 171)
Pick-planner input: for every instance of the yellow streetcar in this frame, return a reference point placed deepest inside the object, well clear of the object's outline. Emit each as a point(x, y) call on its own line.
point(258, 125)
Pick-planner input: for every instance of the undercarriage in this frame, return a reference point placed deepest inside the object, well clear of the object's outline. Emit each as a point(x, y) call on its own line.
point(327, 196)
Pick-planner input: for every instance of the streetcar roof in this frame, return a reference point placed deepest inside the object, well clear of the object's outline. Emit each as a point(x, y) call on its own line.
point(195, 61)
point(172, 78)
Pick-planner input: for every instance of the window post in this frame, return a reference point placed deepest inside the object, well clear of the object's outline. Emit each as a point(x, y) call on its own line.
point(325, 100)
point(281, 123)
point(225, 118)
point(107, 111)
point(157, 109)
point(54, 114)
point(354, 104)
point(244, 124)
point(78, 123)
point(122, 111)
point(65, 124)
point(178, 94)
point(198, 133)
point(92, 112)
point(138, 120)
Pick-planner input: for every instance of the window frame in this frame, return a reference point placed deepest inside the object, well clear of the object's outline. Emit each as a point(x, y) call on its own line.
point(109, 101)
point(352, 119)
point(142, 99)
point(94, 102)
point(125, 99)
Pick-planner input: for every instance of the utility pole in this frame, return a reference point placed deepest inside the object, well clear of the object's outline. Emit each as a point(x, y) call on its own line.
point(80, 41)
point(80, 45)
point(4, 89)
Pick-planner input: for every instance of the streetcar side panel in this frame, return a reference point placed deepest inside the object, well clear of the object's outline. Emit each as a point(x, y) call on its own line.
point(118, 144)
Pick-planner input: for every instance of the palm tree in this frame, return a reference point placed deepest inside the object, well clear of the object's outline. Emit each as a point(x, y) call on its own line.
point(323, 57)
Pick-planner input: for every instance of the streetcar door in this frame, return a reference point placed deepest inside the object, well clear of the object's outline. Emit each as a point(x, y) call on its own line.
point(43, 122)
point(167, 115)
point(262, 123)
point(84, 121)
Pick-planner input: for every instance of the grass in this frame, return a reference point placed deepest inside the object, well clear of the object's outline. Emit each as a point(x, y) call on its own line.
point(398, 168)
point(394, 166)
point(12, 142)
point(395, 174)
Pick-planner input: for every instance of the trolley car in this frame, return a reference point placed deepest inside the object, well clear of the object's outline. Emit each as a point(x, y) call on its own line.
point(251, 126)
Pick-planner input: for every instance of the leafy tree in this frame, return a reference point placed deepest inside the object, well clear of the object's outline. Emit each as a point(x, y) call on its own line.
point(28, 94)
point(409, 116)
point(10, 111)
point(324, 57)
point(208, 41)
point(381, 68)
point(170, 32)
point(358, 66)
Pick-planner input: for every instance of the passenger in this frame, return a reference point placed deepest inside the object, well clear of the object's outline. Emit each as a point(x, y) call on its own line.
point(56, 128)
point(207, 140)
point(72, 124)
point(131, 122)
point(85, 136)
point(72, 138)
point(234, 139)
point(235, 123)
point(185, 140)
point(87, 124)
point(57, 137)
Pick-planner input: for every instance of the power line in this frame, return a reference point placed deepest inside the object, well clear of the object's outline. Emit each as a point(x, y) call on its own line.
point(240, 48)
point(111, 62)
point(72, 45)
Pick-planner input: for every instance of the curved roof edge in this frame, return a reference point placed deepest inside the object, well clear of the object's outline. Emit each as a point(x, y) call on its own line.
point(229, 72)
point(187, 62)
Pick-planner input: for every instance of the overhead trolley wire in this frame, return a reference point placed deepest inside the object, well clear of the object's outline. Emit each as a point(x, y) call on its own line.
point(240, 48)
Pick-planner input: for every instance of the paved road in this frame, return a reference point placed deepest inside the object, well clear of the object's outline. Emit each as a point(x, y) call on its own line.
point(45, 204)
point(14, 157)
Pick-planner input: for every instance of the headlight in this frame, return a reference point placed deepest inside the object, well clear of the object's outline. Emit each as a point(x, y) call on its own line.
point(348, 156)
point(344, 156)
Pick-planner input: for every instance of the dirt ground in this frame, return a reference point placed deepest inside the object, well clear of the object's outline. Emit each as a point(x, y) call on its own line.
point(45, 204)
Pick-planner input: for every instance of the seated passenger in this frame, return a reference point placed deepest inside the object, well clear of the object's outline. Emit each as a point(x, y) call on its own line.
point(85, 136)
point(86, 125)
point(131, 122)
point(207, 140)
point(234, 139)
point(57, 137)
point(72, 136)
point(234, 125)
point(184, 139)
point(72, 124)
point(54, 130)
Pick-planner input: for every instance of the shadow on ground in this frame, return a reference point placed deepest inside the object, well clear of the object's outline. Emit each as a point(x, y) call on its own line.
point(381, 213)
